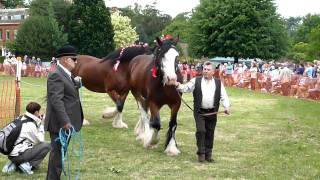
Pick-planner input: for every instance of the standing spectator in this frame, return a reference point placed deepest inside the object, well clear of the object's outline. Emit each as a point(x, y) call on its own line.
point(33, 60)
point(253, 75)
point(39, 61)
point(300, 69)
point(207, 93)
point(64, 109)
point(229, 72)
point(285, 78)
point(309, 70)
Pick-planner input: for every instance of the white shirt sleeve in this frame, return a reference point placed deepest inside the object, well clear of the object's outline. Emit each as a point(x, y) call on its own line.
point(188, 87)
point(224, 97)
point(36, 134)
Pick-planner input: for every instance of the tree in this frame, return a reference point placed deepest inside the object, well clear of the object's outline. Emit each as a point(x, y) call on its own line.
point(237, 28)
point(314, 45)
point(292, 25)
point(309, 22)
point(41, 8)
point(90, 29)
point(124, 34)
point(10, 4)
point(61, 9)
point(149, 22)
point(180, 25)
point(40, 34)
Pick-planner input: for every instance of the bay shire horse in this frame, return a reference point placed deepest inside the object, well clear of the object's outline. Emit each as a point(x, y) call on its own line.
point(152, 79)
point(101, 75)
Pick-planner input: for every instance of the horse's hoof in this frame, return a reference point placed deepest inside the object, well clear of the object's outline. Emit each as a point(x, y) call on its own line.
point(152, 146)
point(139, 138)
point(172, 152)
point(120, 126)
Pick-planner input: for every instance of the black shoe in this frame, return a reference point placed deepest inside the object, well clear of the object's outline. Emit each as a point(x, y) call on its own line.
point(208, 158)
point(201, 158)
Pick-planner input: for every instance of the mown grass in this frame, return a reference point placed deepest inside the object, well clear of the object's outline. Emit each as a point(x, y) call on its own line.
point(265, 137)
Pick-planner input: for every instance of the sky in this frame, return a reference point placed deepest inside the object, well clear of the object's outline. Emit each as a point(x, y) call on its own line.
point(285, 8)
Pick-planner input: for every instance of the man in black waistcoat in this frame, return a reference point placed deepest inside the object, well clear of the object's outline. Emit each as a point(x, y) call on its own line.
point(64, 108)
point(207, 93)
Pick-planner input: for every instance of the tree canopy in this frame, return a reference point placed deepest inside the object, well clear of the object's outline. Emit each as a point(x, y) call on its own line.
point(40, 34)
point(124, 34)
point(13, 3)
point(149, 22)
point(237, 28)
point(180, 25)
point(89, 28)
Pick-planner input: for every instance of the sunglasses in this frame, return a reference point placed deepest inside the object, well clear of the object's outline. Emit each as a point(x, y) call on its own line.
point(74, 59)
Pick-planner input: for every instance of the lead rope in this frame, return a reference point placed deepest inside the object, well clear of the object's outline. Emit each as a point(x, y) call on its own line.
point(64, 138)
point(202, 114)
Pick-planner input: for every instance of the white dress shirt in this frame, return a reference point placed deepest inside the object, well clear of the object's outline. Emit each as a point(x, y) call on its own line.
point(208, 88)
point(65, 69)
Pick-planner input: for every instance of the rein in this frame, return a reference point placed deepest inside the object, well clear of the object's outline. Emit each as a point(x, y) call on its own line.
point(202, 114)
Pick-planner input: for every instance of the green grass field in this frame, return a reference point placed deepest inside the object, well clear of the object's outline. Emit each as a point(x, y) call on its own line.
point(265, 137)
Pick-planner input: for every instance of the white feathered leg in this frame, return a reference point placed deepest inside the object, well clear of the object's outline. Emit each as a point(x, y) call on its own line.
point(172, 149)
point(117, 121)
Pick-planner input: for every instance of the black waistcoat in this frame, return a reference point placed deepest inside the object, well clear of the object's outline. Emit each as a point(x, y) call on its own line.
point(197, 95)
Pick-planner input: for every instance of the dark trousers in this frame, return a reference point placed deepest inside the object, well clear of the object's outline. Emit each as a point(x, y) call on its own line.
point(34, 155)
point(205, 132)
point(55, 164)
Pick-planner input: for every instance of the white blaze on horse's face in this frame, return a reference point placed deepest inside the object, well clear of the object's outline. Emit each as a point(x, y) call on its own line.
point(168, 66)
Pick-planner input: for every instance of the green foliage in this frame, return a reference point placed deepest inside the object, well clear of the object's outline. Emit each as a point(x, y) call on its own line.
point(41, 8)
point(61, 8)
point(1, 59)
point(314, 39)
point(292, 25)
point(11, 4)
point(149, 22)
point(40, 34)
point(180, 25)
point(90, 29)
point(124, 34)
point(237, 28)
point(309, 22)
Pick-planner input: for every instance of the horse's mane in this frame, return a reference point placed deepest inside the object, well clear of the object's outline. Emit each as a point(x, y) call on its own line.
point(127, 53)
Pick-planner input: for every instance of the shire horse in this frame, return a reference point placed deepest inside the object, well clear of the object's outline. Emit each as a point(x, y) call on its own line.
point(105, 76)
point(152, 79)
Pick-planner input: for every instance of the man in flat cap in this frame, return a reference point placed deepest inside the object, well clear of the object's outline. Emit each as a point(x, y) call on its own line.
point(63, 106)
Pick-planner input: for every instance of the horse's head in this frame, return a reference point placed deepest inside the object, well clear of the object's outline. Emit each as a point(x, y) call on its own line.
point(166, 54)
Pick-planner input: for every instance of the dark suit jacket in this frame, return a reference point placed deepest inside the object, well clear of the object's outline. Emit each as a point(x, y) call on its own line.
point(63, 102)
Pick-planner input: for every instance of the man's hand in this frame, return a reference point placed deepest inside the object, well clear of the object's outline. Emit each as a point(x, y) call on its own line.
point(77, 78)
point(177, 84)
point(227, 111)
point(67, 126)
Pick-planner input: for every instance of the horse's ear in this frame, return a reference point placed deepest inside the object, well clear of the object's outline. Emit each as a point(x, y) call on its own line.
point(159, 42)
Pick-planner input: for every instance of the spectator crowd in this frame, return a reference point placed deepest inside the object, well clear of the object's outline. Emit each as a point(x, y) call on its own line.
point(30, 66)
point(287, 79)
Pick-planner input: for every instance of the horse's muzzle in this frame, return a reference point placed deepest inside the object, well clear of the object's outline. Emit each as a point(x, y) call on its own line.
point(171, 81)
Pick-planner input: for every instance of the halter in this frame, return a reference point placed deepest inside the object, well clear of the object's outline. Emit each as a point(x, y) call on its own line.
point(157, 57)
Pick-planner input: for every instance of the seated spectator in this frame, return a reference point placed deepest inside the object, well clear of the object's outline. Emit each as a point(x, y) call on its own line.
point(30, 148)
